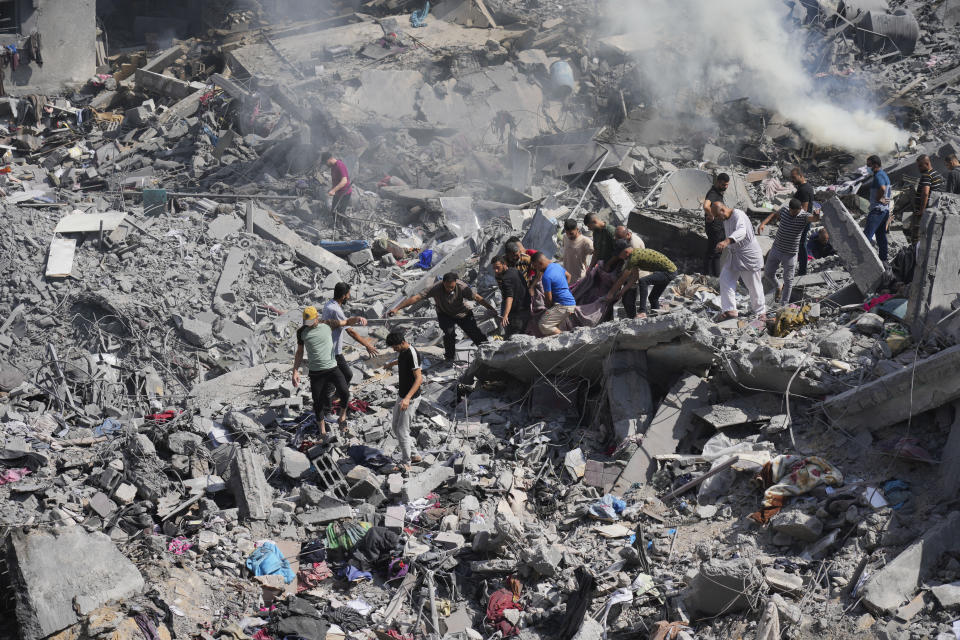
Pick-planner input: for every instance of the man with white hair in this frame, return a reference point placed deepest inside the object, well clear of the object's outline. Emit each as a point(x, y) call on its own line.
point(745, 263)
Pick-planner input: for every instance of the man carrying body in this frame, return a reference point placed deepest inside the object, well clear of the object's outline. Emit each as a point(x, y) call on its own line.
point(316, 339)
point(576, 248)
point(790, 228)
point(804, 195)
point(515, 314)
point(340, 179)
point(746, 262)
point(878, 216)
point(603, 239)
point(519, 258)
point(644, 269)
point(622, 233)
point(449, 297)
point(408, 394)
point(930, 182)
point(819, 245)
point(953, 177)
point(333, 310)
point(556, 294)
point(713, 226)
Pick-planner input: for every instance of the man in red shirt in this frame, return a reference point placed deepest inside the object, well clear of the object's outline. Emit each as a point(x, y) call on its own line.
point(340, 179)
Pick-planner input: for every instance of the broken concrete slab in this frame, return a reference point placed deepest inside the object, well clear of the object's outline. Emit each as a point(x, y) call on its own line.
point(232, 266)
point(926, 384)
point(750, 409)
point(936, 277)
point(60, 258)
point(721, 587)
point(618, 198)
point(894, 584)
point(238, 387)
point(81, 222)
point(420, 485)
point(686, 189)
point(628, 392)
point(268, 226)
point(670, 424)
point(852, 245)
point(249, 485)
point(674, 341)
point(63, 574)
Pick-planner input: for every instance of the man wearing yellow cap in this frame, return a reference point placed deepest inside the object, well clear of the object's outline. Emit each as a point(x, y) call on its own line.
point(316, 338)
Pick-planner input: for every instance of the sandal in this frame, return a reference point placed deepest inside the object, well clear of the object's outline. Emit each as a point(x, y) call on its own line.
point(726, 315)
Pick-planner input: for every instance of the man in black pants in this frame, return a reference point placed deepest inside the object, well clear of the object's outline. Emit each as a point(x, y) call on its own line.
point(315, 338)
point(646, 274)
point(342, 186)
point(805, 195)
point(713, 226)
point(449, 297)
point(515, 314)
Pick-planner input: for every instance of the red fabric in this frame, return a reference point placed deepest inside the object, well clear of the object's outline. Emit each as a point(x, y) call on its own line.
point(875, 301)
point(500, 601)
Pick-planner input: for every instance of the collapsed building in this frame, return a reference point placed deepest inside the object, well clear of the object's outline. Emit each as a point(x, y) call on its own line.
point(665, 477)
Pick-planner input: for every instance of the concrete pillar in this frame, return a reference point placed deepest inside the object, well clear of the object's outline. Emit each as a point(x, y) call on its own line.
point(628, 392)
point(936, 277)
point(848, 239)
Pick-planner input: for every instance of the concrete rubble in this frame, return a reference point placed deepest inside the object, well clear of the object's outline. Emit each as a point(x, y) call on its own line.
point(167, 218)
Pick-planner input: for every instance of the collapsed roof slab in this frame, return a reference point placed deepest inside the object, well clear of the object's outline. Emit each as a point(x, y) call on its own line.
point(686, 189)
point(673, 342)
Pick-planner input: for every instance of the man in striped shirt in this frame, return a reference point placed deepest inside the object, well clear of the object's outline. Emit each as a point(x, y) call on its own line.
point(930, 181)
point(793, 220)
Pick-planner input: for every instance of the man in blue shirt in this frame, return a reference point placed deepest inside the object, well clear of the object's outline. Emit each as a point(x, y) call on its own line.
point(556, 294)
point(879, 214)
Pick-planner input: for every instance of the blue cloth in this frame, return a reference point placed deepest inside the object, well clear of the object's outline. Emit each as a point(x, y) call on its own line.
point(426, 257)
point(353, 574)
point(419, 17)
point(109, 426)
point(555, 281)
point(880, 181)
point(266, 560)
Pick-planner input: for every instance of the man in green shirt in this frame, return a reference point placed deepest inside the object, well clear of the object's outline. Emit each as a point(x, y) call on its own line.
point(316, 339)
point(603, 240)
point(649, 270)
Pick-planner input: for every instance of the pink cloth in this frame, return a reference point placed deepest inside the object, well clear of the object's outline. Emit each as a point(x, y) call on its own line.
point(13, 475)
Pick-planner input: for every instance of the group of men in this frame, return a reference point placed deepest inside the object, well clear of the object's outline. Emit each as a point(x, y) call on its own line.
point(320, 345)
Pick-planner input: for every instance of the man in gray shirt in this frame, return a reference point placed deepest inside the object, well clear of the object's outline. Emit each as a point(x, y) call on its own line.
point(333, 310)
point(449, 297)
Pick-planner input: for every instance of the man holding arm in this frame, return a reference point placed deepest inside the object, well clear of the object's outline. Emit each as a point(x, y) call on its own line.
point(646, 274)
point(316, 340)
point(556, 294)
point(333, 310)
point(746, 262)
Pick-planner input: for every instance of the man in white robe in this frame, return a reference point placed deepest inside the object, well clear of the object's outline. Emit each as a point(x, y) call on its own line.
point(744, 262)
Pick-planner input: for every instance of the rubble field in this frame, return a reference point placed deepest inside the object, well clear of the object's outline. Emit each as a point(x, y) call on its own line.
point(673, 476)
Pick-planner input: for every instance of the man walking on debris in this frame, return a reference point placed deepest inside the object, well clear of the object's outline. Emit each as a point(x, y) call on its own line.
point(340, 179)
point(745, 262)
point(713, 226)
point(316, 338)
point(515, 313)
point(878, 218)
point(603, 239)
point(930, 181)
point(556, 294)
point(333, 310)
point(646, 273)
point(576, 248)
point(953, 177)
point(804, 195)
point(450, 297)
point(791, 225)
point(408, 394)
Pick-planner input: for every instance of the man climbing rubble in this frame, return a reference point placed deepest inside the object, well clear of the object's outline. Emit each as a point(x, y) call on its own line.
point(515, 312)
point(450, 297)
point(804, 195)
point(315, 338)
point(792, 223)
point(712, 225)
point(745, 262)
point(931, 182)
point(557, 298)
point(333, 310)
point(878, 217)
point(646, 274)
point(342, 187)
point(408, 394)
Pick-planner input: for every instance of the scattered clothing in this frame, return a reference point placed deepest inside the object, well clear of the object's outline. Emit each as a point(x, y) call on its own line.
point(377, 548)
point(311, 575)
point(789, 475)
point(419, 17)
point(178, 546)
point(500, 601)
point(266, 560)
point(353, 574)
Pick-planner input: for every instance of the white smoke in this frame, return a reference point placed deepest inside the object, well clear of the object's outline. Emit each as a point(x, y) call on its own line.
point(711, 47)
